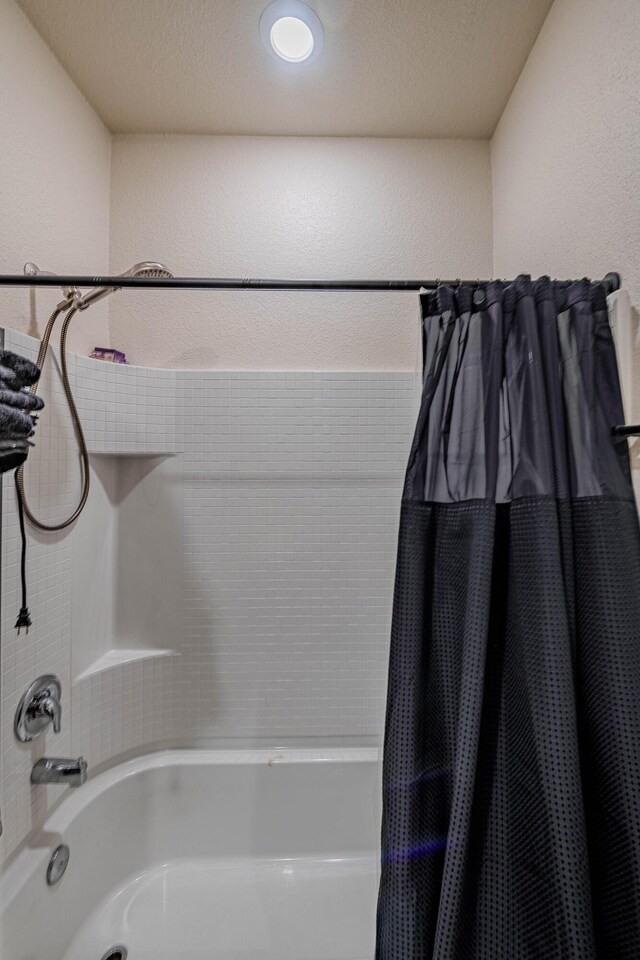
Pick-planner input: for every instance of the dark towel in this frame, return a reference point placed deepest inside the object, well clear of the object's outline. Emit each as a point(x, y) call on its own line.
point(24, 371)
point(17, 408)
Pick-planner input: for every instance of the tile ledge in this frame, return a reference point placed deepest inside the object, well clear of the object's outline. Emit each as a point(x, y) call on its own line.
point(133, 453)
point(117, 657)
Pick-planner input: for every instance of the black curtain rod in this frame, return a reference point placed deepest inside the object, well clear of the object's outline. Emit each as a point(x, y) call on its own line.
point(611, 282)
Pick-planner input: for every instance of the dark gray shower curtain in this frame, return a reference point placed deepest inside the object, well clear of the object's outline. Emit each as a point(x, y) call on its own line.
point(511, 824)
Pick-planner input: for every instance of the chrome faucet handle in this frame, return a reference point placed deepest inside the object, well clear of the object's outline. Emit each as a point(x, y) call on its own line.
point(38, 707)
point(50, 707)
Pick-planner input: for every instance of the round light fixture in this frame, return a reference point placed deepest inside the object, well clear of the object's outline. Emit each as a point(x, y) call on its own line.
point(291, 31)
point(291, 39)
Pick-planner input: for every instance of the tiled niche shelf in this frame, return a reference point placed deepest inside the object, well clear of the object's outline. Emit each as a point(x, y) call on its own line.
point(126, 562)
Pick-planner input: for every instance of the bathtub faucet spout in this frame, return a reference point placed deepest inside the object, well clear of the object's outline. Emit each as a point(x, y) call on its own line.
point(73, 773)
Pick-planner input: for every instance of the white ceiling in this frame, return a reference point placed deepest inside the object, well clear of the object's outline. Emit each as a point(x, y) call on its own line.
point(405, 68)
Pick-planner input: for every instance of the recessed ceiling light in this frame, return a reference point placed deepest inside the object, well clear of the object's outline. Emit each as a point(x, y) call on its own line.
point(291, 39)
point(291, 31)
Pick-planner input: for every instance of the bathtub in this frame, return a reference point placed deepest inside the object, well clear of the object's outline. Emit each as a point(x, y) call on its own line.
point(206, 855)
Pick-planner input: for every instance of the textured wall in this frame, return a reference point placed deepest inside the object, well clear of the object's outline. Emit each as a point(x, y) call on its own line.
point(566, 154)
point(54, 179)
point(291, 207)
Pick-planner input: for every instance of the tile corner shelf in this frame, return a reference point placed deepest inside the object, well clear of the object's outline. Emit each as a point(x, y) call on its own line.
point(137, 452)
point(117, 657)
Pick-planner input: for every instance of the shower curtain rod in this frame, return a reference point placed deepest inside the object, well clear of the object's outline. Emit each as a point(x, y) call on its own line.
point(611, 283)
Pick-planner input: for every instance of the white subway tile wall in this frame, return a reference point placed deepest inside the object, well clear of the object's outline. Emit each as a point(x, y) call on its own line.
point(292, 487)
point(289, 502)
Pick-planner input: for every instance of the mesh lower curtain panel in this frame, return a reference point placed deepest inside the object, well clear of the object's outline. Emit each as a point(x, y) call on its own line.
point(511, 781)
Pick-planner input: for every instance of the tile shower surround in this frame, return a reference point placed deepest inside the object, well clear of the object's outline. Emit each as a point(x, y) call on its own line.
point(288, 502)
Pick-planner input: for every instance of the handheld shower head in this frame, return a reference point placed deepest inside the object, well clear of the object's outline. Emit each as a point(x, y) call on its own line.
point(147, 268)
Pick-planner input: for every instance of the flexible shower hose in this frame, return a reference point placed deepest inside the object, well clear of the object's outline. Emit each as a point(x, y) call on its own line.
point(75, 419)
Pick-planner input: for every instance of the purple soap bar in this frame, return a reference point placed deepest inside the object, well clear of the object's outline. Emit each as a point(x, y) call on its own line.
point(108, 353)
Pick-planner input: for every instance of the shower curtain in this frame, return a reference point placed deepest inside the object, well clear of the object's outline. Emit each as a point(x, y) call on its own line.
point(511, 779)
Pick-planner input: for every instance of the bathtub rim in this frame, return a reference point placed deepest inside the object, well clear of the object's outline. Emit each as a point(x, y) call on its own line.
point(37, 849)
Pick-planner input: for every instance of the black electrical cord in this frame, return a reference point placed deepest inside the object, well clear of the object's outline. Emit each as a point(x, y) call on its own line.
point(24, 617)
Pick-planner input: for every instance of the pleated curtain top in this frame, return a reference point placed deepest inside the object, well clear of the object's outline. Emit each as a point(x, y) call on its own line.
point(520, 394)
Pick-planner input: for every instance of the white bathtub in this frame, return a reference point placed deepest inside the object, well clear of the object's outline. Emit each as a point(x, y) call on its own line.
point(206, 855)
